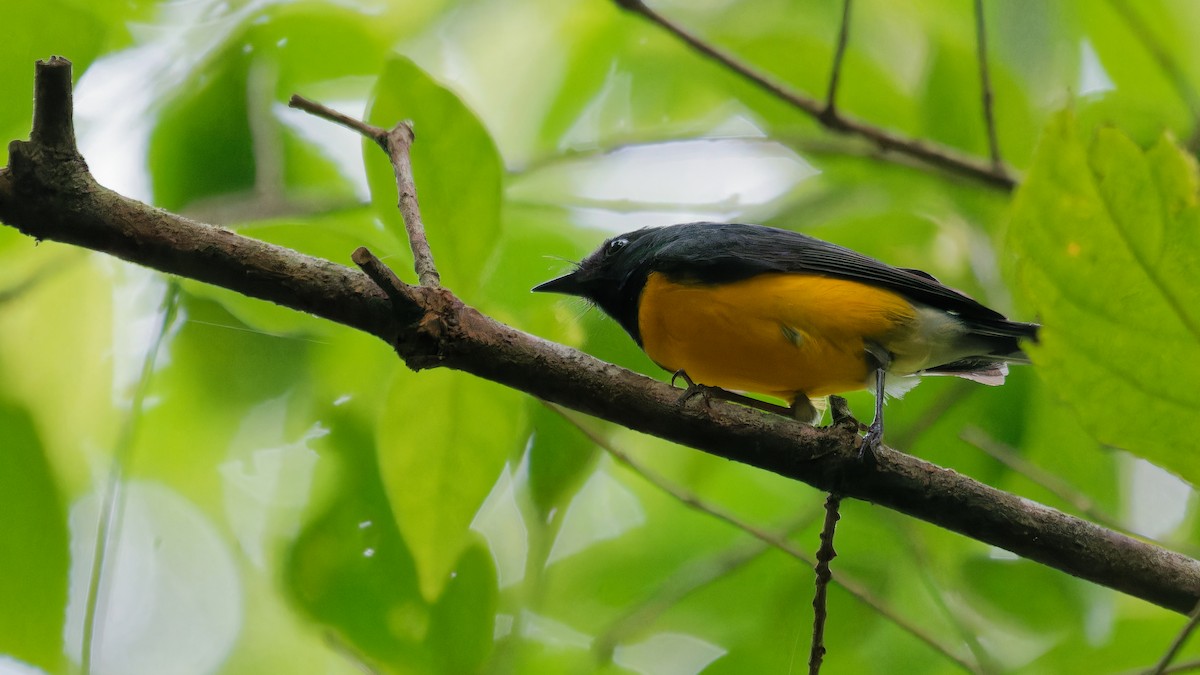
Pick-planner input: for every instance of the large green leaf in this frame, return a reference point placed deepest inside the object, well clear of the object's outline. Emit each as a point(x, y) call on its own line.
point(456, 167)
point(349, 568)
point(33, 547)
point(443, 440)
point(1108, 242)
point(463, 621)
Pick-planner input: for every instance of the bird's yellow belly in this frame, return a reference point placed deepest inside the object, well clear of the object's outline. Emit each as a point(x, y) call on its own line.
point(774, 334)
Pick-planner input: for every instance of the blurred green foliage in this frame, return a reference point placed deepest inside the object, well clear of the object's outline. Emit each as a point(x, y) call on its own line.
point(348, 513)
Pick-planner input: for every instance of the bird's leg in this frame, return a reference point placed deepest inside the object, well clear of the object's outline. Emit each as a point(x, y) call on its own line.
point(874, 437)
point(803, 409)
point(708, 393)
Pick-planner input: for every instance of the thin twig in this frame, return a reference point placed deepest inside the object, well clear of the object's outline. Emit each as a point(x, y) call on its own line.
point(377, 134)
point(851, 586)
point(952, 395)
point(1050, 482)
point(1177, 643)
point(825, 554)
point(1169, 64)
point(397, 143)
point(111, 506)
point(985, 86)
point(399, 146)
point(935, 154)
point(916, 547)
point(838, 54)
point(696, 575)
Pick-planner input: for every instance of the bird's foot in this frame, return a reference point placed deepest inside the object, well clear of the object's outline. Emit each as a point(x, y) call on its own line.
point(708, 393)
point(870, 443)
point(692, 390)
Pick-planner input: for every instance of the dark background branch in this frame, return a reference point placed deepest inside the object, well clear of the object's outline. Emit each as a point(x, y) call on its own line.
point(943, 157)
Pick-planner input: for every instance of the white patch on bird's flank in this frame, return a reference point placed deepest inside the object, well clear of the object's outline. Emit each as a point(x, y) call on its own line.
point(936, 338)
point(896, 386)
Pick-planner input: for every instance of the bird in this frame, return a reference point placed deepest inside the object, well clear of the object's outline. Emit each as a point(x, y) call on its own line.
point(734, 308)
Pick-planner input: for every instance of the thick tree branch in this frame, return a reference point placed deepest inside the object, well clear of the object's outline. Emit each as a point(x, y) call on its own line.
point(934, 154)
point(47, 195)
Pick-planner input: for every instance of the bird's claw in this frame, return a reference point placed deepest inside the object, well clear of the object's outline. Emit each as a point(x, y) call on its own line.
point(692, 390)
point(870, 443)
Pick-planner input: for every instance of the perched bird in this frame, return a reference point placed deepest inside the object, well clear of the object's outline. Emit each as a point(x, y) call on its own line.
point(747, 308)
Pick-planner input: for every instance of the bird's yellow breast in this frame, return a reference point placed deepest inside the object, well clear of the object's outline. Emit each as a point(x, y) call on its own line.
point(775, 334)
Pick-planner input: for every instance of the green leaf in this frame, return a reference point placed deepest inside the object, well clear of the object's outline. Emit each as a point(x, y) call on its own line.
point(560, 458)
point(1056, 607)
point(464, 619)
point(456, 167)
point(202, 145)
point(1107, 239)
point(33, 547)
point(443, 441)
point(350, 569)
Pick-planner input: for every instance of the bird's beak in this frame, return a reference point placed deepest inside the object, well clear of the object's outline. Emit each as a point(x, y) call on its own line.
point(567, 284)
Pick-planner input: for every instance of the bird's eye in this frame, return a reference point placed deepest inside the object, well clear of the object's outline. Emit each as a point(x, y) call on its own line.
point(616, 245)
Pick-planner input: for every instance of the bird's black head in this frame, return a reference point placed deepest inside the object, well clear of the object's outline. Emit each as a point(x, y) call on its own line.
point(613, 276)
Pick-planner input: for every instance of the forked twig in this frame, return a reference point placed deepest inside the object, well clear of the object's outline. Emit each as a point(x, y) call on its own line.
point(929, 152)
point(397, 143)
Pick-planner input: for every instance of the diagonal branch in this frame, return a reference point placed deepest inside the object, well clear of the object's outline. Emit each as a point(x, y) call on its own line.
point(45, 194)
point(1177, 643)
point(839, 54)
point(777, 541)
point(985, 86)
point(1143, 33)
point(935, 154)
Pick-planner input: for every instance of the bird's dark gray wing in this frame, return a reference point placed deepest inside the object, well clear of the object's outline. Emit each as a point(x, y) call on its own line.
point(724, 252)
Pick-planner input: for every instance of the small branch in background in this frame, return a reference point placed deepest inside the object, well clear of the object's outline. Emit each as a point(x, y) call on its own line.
point(687, 580)
point(924, 565)
point(371, 131)
point(1050, 482)
point(1170, 65)
point(838, 55)
point(112, 506)
point(851, 586)
point(825, 554)
point(952, 395)
point(397, 143)
point(985, 86)
point(1177, 643)
point(938, 155)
